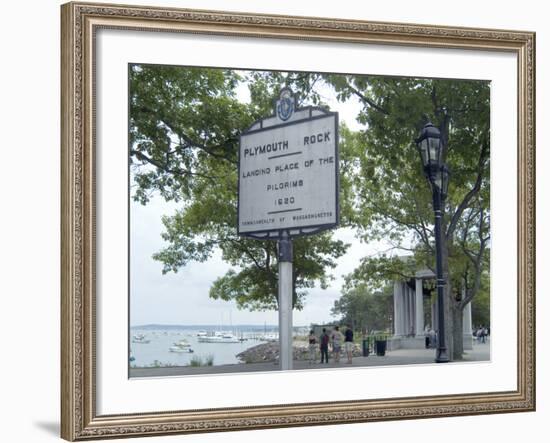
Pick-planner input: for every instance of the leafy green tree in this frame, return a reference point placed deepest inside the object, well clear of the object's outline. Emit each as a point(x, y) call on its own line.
point(184, 128)
point(365, 310)
point(481, 304)
point(393, 199)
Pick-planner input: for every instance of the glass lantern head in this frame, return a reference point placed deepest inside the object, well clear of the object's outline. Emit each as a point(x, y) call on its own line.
point(429, 147)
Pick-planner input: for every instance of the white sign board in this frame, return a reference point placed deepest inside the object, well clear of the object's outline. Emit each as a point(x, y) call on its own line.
point(288, 175)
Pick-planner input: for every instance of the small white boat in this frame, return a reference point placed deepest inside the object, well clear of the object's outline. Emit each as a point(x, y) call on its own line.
point(181, 349)
point(182, 343)
point(230, 338)
point(269, 337)
point(140, 338)
point(205, 337)
point(219, 337)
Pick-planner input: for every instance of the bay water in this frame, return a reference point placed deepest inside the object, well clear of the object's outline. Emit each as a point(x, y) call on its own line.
point(157, 351)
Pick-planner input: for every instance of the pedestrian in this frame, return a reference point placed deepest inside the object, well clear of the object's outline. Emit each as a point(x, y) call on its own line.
point(433, 336)
point(312, 348)
point(336, 339)
point(427, 337)
point(323, 345)
point(348, 342)
point(483, 335)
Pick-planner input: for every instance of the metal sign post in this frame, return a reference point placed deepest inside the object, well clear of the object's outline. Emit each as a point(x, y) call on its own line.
point(288, 187)
point(285, 301)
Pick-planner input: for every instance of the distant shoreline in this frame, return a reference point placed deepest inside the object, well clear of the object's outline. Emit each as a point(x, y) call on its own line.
point(209, 326)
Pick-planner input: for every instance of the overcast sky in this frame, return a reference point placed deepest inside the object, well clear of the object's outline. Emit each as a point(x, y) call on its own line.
point(182, 298)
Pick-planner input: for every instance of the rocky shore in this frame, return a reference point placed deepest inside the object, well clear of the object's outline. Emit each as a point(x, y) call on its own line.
point(269, 352)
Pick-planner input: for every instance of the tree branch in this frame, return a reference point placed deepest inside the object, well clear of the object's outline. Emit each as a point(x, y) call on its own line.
point(201, 146)
point(423, 228)
point(368, 100)
point(192, 143)
point(476, 259)
point(471, 194)
point(164, 166)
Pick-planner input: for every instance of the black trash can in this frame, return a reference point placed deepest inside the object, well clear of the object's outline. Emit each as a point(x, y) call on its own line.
point(380, 346)
point(365, 347)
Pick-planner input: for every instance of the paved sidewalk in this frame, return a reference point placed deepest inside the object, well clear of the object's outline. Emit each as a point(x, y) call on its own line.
point(480, 352)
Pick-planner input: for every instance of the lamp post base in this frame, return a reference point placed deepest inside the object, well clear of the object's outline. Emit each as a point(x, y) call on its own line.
point(442, 356)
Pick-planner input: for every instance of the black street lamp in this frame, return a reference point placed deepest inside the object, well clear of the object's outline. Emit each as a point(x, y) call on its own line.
point(429, 146)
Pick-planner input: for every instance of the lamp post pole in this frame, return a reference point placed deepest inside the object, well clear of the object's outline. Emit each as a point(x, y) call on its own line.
point(442, 356)
point(429, 147)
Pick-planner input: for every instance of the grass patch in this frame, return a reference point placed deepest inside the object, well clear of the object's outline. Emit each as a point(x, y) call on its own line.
point(198, 361)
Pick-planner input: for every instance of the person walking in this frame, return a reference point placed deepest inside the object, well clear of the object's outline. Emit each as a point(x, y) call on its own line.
point(312, 346)
point(348, 342)
point(483, 334)
point(427, 337)
point(336, 338)
point(323, 345)
point(433, 337)
point(478, 334)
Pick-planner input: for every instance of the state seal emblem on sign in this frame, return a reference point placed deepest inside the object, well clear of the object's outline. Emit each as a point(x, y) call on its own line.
point(285, 104)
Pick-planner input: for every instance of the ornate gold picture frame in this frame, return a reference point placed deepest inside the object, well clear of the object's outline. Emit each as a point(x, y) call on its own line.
point(80, 419)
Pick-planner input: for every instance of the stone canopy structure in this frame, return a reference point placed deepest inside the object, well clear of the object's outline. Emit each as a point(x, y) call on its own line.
point(415, 312)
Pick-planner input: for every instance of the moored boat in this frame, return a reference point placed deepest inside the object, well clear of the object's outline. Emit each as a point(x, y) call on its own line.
point(140, 338)
point(181, 349)
point(219, 337)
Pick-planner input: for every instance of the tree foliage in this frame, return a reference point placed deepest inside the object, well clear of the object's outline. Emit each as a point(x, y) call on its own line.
point(393, 200)
point(184, 127)
point(365, 310)
point(481, 304)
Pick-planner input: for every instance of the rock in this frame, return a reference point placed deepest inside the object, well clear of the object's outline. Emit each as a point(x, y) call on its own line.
point(266, 352)
point(269, 352)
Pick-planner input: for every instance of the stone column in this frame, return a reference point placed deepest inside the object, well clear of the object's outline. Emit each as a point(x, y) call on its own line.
point(397, 302)
point(467, 320)
point(467, 324)
point(412, 311)
point(405, 309)
point(403, 299)
point(419, 299)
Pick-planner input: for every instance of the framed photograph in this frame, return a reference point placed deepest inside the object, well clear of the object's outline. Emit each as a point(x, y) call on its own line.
point(275, 221)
